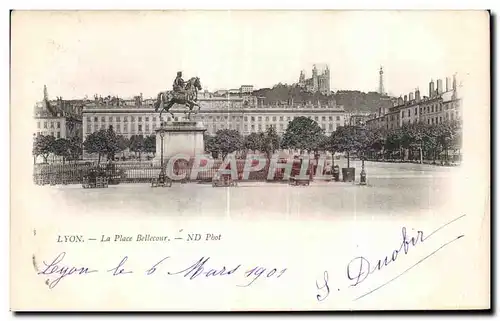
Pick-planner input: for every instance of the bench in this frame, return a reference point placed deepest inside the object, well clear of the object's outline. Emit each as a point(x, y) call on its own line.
point(299, 181)
point(95, 182)
point(161, 181)
point(224, 182)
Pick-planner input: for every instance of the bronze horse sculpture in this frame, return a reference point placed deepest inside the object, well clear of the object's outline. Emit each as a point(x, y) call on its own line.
point(189, 96)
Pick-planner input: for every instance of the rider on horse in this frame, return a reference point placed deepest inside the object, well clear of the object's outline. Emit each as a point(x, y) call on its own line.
point(179, 84)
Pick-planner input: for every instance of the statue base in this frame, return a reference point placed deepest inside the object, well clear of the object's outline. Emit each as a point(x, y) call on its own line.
point(179, 137)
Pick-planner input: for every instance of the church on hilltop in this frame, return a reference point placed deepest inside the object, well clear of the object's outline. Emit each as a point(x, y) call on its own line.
point(319, 82)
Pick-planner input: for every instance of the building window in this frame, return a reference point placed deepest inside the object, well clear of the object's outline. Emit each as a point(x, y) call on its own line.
point(103, 119)
point(154, 126)
point(316, 118)
point(118, 119)
point(409, 112)
point(96, 127)
point(225, 117)
point(95, 119)
point(253, 127)
point(330, 118)
point(118, 129)
point(125, 118)
point(139, 119)
point(259, 118)
point(125, 128)
point(281, 126)
point(274, 118)
point(147, 118)
point(147, 127)
point(103, 126)
point(89, 128)
point(330, 127)
point(281, 118)
point(338, 117)
point(238, 127)
point(323, 118)
point(132, 118)
point(246, 127)
point(267, 118)
point(260, 127)
point(44, 124)
point(416, 110)
point(139, 127)
point(58, 124)
point(110, 118)
point(51, 124)
point(245, 118)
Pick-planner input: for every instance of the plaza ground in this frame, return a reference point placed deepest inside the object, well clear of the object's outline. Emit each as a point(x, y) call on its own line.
point(393, 189)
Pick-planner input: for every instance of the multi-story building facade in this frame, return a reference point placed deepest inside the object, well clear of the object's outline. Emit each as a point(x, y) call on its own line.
point(245, 114)
point(320, 80)
point(59, 118)
point(442, 104)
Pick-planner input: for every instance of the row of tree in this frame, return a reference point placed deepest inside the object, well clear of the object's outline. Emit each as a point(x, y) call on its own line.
point(411, 141)
point(68, 149)
point(108, 143)
point(103, 143)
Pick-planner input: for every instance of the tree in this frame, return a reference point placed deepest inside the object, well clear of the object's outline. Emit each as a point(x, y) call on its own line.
point(394, 140)
point(137, 144)
point(211, 145)
point(150, 144)
point(302, 133)
point(447, 133)
point(97, 143)
point(377, 140)
point(228, 141)
point(111, 143)
point(75, 148)
point(331, 143)
point(62, 148)
point(123, 143)
point(43, 145)
point(253, 142)
point(348, 140)
point(270, 142)
point(430, 141)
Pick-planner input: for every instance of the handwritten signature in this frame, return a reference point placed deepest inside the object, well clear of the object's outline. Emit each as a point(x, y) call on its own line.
point(57, 270)
point(360, 268)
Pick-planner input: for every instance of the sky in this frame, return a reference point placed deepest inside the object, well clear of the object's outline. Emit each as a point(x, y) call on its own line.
point(126, 53)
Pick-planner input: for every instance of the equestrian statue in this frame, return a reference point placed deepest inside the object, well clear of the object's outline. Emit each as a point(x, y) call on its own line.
point(183, 93)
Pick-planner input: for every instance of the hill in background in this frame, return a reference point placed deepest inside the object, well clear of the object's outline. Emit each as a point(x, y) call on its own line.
point(352, 100)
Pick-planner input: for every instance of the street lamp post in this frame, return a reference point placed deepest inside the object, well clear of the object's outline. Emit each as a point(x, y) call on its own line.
point(362, 174)
point(161, 177)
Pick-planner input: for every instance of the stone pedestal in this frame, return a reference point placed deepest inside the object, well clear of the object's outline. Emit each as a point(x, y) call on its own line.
point(179, 137)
